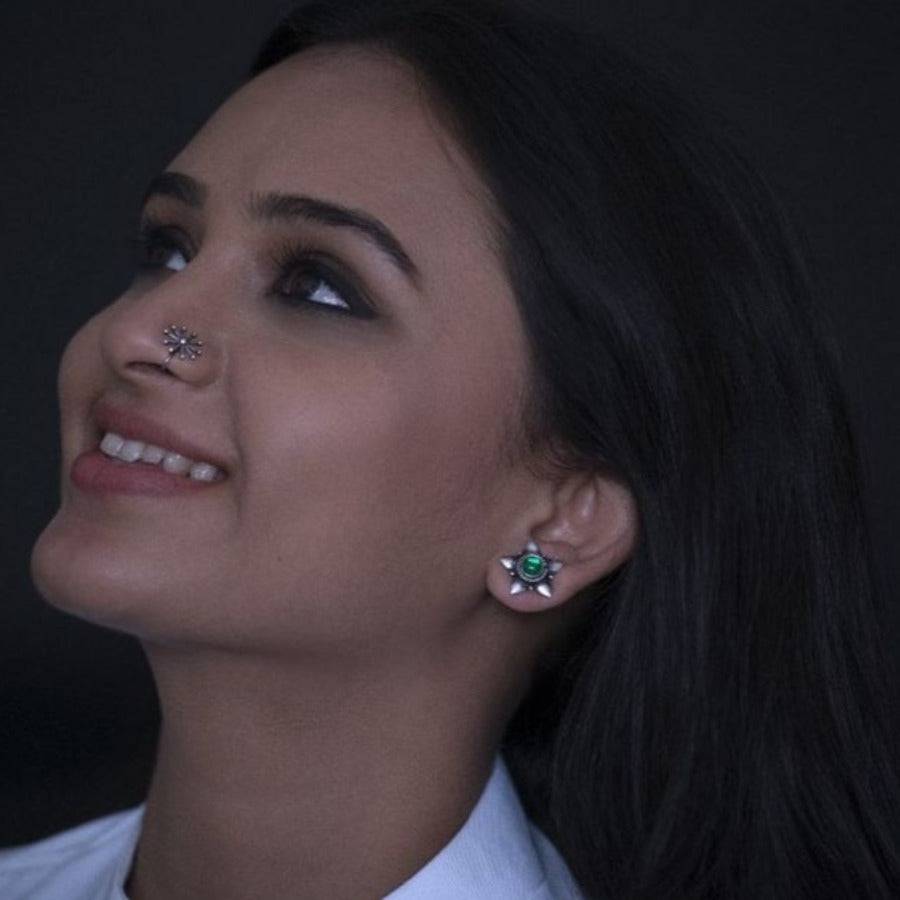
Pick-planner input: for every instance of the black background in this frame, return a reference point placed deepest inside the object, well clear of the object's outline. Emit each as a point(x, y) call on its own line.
point(95, 98)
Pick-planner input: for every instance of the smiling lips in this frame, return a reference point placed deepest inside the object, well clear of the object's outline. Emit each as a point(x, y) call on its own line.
point(136, 455)
point(134, 428)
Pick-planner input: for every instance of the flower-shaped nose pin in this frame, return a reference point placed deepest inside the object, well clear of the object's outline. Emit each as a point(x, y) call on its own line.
point(181, 343)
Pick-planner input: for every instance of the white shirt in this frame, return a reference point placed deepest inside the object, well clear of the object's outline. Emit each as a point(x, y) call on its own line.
point(498, 854)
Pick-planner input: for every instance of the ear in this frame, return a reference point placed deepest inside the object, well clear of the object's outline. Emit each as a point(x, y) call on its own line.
point(591, 531)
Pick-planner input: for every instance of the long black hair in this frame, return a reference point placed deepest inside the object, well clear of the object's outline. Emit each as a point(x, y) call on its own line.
point(718, 724)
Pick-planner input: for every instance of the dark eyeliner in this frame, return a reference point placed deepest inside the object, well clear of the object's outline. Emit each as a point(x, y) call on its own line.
point(151, 234)
point(154, 234)
point(298, 256)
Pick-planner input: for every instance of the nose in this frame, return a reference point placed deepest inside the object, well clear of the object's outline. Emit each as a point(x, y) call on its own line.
point(148, 345)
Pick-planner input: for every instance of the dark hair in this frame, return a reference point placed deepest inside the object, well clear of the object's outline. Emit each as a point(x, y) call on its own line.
point(718, 723)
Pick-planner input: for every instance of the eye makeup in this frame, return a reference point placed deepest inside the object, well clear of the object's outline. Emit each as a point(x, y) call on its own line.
point(308, 279)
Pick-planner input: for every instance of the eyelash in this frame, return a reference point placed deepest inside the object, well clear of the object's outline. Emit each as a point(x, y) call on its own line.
point(289, 258)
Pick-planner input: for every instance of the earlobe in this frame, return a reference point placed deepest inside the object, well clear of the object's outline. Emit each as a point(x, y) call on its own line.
point(525, 580)
point(590, 534)
point(531, 570)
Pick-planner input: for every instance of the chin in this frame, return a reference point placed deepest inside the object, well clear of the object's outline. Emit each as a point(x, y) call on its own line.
point(117, 580)
point(93, 577)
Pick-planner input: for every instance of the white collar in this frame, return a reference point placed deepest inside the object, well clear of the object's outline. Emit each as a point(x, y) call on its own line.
point(492, 854)
point(498, 853)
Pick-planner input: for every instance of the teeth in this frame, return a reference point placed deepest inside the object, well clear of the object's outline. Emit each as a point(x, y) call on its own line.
point(131, 451)
point(202, 471)
point(176, 463)
point(111, 443)
point(152, 454)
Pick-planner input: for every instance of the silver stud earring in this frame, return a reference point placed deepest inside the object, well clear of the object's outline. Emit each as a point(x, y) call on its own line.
point(531, 570)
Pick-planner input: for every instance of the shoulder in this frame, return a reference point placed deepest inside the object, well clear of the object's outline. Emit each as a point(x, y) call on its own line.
point(80, 863)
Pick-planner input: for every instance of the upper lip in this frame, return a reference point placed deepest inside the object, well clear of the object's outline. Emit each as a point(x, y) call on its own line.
point(133, 425)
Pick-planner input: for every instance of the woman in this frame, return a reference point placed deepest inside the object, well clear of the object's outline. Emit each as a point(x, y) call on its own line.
point(484, 502)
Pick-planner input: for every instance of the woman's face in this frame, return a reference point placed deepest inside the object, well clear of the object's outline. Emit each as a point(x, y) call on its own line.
point(365, 495)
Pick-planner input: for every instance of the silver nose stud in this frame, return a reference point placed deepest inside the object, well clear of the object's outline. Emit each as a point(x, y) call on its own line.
point(182, 343)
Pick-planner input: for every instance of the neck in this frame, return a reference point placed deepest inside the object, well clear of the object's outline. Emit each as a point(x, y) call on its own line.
point(278, 778)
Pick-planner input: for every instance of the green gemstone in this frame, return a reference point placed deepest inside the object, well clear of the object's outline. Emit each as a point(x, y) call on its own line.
point(533, 566)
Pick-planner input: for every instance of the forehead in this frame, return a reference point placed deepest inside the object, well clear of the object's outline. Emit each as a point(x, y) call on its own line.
point(351, 124)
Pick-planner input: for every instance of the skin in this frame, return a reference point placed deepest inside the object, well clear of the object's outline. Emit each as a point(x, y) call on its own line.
point(330, 630)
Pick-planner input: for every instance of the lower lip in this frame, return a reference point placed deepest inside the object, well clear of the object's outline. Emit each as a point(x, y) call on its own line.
point(98, 473)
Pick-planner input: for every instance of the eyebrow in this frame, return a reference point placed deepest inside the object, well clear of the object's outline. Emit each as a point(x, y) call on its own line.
point(280, 207)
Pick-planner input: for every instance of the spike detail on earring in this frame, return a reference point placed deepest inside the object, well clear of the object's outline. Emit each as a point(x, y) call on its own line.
point(531, 570)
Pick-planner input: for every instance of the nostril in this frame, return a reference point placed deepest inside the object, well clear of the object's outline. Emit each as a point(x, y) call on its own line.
point(150, 367)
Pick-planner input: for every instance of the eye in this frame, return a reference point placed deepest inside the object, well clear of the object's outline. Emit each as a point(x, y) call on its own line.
point(305, 280)
point(155, 245)
point(314, 280)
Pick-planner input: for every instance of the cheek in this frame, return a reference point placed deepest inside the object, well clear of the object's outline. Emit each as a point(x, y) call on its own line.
point(365, 461)
point(374, 444)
